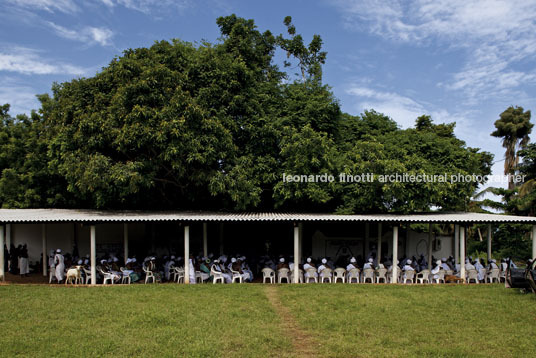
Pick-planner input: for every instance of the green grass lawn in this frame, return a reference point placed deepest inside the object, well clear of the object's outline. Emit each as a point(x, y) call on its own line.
point(239, 321)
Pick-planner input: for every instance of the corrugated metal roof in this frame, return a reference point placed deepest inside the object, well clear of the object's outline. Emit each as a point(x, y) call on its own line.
point(88, 216)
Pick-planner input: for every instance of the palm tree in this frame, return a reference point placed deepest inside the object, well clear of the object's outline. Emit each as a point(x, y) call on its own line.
point(514, 128)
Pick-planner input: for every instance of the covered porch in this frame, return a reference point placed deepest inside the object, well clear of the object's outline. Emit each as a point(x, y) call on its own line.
point(375, 228)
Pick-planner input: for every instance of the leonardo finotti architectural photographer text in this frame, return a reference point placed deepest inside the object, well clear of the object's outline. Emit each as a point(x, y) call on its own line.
point(401, 178)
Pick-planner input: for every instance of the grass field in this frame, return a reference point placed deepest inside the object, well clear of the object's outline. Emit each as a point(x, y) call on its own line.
point(254, 320)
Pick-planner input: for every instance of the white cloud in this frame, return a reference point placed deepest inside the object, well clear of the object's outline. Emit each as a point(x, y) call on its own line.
point(496, 35)
point(149, 6)
point(88, 34)
point(65, 6)
point(27, 61)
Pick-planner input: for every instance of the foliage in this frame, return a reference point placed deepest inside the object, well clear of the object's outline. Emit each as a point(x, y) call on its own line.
point(514, 128)
point(215, 126)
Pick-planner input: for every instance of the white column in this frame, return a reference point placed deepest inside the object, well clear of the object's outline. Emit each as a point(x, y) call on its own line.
point(534, 241)
point(395, 254)
point(489, 241)
point(2, 273)
point(125, 242)
point(8, 240)
point(430, 238)
point(456, 243)
point(300, 252)
point(186, 254)
point(379, 250)
point(205, 241)
point(93, 254)
point(462, 252)
point(44, 248)
point(296, 252)
point(8, 236)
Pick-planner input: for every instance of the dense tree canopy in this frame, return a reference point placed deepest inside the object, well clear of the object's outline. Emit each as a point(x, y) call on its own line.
point(215, 126)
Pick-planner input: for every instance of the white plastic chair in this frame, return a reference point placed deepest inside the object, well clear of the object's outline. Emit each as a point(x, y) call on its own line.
point(353, 274)
point(178, 275)
point(368, 274)
point(87, 273)
point(107, 276)
point(492, 275)
point(441, 277)
point(422, 276)
point(311, 275)
point(471, 275)
point(381, 275)
point(325, 275)
point(339, 274)
point(409, 275)
point(148, 275)
point(283, 274)
point(217, 276)
point(268, 273)
point(236, 276)
point(125, 276)
point(502, 276)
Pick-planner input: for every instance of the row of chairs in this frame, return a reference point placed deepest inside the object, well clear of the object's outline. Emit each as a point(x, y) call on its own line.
point(380, 275)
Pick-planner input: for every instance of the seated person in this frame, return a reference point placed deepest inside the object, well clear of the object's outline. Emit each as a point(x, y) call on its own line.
point(493, 264)
point(205, 270)
point(480, 269)
point(369, 264)
point(282, 264)
point(322, 268)
point(217, 267)
point(407, 267)
point(444, 264)
point(352, 264)
point(309, 265)
point(436, 269)
point(469, 265)
point(245, 267)
point(237, 267)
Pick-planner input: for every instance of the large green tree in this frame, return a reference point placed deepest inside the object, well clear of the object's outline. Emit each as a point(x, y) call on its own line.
point(215, 126)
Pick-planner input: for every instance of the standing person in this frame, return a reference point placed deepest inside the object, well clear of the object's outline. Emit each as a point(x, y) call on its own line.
point(192, 269)
point(24, 265)
point(59, 265)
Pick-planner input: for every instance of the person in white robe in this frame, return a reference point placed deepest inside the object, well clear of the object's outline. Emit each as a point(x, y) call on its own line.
point(444, 264)
point(216, 266)
point(322, 269)
point(369, 264)
point(24, 265)
point(168, 266)
point(245, 268)
point(436, 269)
point(59, 266)
point(480, 269)
point(192, 270)
point(469, 265)
point(493, 264)
point(309, 265)
point(352, 264)
point(407, 267)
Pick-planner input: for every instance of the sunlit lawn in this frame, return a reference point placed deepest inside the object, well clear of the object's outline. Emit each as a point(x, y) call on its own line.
point(238, 321)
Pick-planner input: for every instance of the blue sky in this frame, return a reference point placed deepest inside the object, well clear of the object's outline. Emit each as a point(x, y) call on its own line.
point(459, 61)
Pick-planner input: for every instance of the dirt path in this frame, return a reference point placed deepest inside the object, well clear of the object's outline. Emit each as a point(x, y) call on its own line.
point(304, 345)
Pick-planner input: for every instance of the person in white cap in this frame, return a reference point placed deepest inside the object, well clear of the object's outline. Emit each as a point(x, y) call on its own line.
point(282, 264)
point(493, 264)
point(469, 265)
point(407, 267)
point(245, 267)
point(322, 269)
point(216, 266)
point(352, 264)
point(60, 265)
point(369, 264)
point(309, 265)
point(436, 269)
